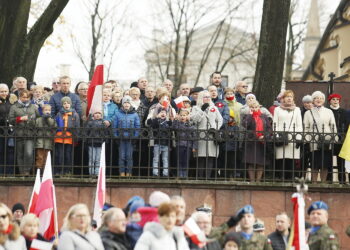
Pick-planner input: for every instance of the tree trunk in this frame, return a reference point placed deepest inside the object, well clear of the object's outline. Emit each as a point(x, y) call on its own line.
point(271, 53)
point(19, 50)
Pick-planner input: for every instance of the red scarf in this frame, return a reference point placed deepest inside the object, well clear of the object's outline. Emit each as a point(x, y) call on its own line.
point(9, 229)
point(259, 125)
point(230, 98)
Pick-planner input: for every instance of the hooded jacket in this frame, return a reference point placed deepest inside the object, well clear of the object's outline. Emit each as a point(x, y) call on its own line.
point(55, 103)
point(155, 237)
point(126, 119)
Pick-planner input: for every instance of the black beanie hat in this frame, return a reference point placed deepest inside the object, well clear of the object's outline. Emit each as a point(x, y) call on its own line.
point(232, 236)
point(18, 206)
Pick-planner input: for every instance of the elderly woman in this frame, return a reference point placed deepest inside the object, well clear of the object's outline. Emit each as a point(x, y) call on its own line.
point(10, 237)
point(245, 110)
point(287, 118)
point(23, 115)
point(206, 117)
point(255, 155)
point(76, 231)
point(30, 229)
point(136, 102)
point(163, 235)
point(317, 121)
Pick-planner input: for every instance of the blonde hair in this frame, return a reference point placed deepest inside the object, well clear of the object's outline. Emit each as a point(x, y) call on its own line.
point(287, 92)
point(161, 91)
point(200, 98)
point(8, 211)
point(28, 218)
point(37, 87)
point(111, 215)
point(135, 90)
point(228, 89)
point(254, 103)
point(71, 212)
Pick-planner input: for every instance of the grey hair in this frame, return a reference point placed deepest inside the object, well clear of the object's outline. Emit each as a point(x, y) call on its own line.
point(111, 215)
point(4, 86)
point(318, 94)
point(198, 214)
point(200, 98)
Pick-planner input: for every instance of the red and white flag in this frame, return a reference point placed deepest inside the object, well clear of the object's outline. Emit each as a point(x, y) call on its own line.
point(193, 231)
point(100, 197)
point(94, 95)
point(298, 239)
point(179, 102)
point(40, 245)
point(35, 193)
point(45, 205)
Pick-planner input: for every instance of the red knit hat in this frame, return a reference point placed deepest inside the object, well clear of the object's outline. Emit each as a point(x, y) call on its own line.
point(334, 95)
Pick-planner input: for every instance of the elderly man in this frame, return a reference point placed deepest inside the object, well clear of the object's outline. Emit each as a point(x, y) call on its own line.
point(204, 222)
point(279, 238)
point(321, 235)
point(216, 80)
point(150, 96)
point(20, 83)
point(83, 90)
point(168, 85)
point(113, 236)
point(185, 89)
point(55, 100)
point(250, 239)
point(180, 205)
point(241, 91)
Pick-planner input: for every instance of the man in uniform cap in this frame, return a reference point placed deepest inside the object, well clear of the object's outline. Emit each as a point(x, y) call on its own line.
point(321, 235)
point(249, 239)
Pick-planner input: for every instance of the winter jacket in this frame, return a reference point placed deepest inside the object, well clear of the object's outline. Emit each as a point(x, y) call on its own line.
point(126, 119)
point(210, 119)
point(223, 109)
point(55, 102)
point(161, 131)
point(155, 237)
point(45, 132)
point(75, 240)
point(141, 111)
point(288, 121)
point(29, 240)
point(240, 98)
point(236, 108)
point(66, 123)
point(230, 136)
point(112, 241)
point(5, 105)
point(277, 241)
point(112, 110)
point(185, 135)
point(95, 131)
point(245, 110)
point(23, 128)
point(133, 233)
point(39, 104)
point(340, 119)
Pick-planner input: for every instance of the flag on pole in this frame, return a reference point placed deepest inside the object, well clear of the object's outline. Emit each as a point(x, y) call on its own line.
point(179, 102)
point(193, 231)
point(45, 205)
point(35, 193)
point(297, 239)
point(94, 95)
point(100, 197)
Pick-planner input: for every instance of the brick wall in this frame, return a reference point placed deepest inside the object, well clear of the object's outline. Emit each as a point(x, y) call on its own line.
point(225, 200)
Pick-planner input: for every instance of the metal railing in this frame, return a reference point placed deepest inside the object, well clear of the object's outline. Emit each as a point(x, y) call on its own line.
point(185, 154)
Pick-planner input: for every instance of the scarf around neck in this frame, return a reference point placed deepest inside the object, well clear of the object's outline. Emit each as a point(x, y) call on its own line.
point(288, 107)
point(23, 104)
point(259, 125)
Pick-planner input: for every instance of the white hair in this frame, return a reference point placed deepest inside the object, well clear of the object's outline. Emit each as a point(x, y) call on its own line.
point(200, 98)
point(318, 94)
point(4, 86)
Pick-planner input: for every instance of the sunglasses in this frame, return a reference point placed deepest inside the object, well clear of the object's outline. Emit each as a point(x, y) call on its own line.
point(3, 216)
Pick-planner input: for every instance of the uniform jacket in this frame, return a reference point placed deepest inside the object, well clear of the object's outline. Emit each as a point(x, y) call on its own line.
point(288, 121)
point(257, 241)
point(45, 132)
point(155, 237)
point(55, 102)
point(126, 119)
point(277, 241)
point(112, 241)
point(325, 123)
point(22, 127)
point(74, 240)
point(206, 120)
point(324, 239)
point(66, 123)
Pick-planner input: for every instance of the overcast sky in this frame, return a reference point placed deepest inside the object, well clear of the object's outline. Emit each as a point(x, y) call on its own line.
point(129, 64)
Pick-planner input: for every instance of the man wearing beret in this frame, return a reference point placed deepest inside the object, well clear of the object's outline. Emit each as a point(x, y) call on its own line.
point(321, 235)
point(249, 239)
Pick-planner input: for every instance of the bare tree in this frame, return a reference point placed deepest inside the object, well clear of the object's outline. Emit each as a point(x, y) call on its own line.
point(20, 45)
point(108, 24)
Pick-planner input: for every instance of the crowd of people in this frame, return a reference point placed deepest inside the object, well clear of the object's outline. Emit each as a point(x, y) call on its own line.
point(161, 224)
point(205, 131)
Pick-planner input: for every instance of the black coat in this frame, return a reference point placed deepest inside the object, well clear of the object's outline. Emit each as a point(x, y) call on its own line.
point(5, 106)
point(277, 241)
point(112, 241)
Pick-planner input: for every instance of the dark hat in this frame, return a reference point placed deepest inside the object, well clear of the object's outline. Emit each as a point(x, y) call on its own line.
point(133, 84)
point(258, 226)
point(317, 205)
point(126, 99)
point(205, 208)
point(196, 90)
point(18, 206)
point(247, 209)
point(232, 236)
point(107, 206)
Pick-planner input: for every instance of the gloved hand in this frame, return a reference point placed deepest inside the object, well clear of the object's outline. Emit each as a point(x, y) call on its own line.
point(233, 221)
point(205, 106)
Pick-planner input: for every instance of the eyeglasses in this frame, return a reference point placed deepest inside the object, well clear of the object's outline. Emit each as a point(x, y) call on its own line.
point(84, 89)
point(3, 216)
point(245, 87)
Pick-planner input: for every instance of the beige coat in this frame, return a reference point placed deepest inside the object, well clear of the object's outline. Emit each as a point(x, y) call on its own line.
point(325, 123)
point(289, 121)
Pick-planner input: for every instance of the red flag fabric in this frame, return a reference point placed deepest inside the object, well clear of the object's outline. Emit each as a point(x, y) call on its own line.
point(192, 230)
point(179, 102)
point(100, 197)
point(299, 240)
point(94, 95)
point(45, 204)
point(35, 193)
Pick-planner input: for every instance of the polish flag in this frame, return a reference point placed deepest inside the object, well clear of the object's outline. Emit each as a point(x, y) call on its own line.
point(196, 235)
point(179, 102)
point(94, 95)
point(297, 237)
point(40, 245)
point(45, 205)
point(100, 197)
point(35, 193)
